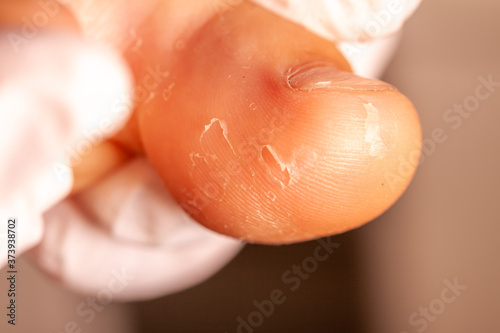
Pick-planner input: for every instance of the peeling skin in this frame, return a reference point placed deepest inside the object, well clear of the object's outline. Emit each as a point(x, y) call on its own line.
point(277, 168)
point(271, 196)
point(372, 130)
point(225, 131)
point(192, 156)
point(215, 130)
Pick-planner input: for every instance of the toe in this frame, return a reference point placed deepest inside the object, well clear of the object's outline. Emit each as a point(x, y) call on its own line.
point(267, 136)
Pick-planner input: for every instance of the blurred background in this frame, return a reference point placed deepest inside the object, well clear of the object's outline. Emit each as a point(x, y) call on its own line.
point(430, 264)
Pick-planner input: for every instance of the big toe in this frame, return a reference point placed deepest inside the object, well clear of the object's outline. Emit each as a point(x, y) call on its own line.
point(267, 136)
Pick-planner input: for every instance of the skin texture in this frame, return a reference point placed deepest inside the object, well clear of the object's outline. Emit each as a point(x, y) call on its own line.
point(12, 14)
point(257, 127)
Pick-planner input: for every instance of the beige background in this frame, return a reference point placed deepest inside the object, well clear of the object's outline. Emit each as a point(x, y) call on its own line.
point(447, 224)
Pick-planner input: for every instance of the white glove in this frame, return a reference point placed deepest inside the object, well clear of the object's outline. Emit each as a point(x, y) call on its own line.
point(127, 228)
point(51, 107)
point(129, 225)
point(48, 98)
point(345, 20)
point(366, 31)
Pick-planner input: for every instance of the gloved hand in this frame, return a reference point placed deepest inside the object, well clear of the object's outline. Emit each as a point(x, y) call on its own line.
point(126, 223)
